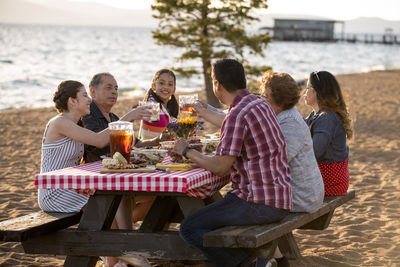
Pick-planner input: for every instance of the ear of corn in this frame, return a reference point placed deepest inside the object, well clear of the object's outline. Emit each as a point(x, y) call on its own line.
point(175, 167)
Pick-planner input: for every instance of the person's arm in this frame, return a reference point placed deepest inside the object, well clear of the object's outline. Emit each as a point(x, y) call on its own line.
point(294, 137)
point(216, 110)
point(322, 132)
point(219, 165)
point(139, 113)
point(212, 116)
point(65, 127)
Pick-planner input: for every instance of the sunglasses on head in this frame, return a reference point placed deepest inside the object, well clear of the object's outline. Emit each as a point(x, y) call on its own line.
point(316, 74)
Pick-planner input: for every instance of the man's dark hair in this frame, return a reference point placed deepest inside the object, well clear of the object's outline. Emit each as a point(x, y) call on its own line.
point(229, 73)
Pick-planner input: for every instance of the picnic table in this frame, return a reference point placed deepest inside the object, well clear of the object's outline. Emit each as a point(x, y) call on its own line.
point(178, 194)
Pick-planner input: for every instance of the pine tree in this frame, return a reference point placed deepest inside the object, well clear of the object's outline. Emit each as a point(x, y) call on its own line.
point(210, 30)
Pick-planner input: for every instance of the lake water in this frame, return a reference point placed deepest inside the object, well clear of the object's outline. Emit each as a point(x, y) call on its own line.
point(34, 59)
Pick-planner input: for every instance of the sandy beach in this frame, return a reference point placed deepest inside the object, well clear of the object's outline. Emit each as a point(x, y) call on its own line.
point(363, 232)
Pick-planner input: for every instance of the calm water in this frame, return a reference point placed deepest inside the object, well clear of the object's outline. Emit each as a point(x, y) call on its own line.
point(34, 59)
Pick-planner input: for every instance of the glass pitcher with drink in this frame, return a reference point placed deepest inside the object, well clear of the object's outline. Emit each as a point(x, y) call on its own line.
point(121, 137)
point(186, 103)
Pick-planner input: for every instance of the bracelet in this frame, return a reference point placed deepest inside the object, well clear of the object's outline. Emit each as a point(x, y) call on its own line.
point(185, 150)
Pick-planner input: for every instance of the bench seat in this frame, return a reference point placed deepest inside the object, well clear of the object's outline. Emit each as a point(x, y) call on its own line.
point(39, 223)
point(257, 236)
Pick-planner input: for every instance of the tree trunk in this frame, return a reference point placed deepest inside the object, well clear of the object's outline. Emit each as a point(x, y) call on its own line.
point(211, 99)
point(205, 58)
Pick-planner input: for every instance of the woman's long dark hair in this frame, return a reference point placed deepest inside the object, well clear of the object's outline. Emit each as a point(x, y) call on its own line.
point(330, 97)
point(172, 104)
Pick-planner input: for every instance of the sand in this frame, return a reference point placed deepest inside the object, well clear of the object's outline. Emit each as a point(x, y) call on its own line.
point(364, 232)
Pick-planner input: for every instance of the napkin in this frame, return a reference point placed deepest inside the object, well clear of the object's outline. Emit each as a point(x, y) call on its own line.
point(175, 167)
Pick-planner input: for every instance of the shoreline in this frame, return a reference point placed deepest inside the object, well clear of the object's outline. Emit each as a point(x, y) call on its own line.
point(360, 234)
point(131, 92)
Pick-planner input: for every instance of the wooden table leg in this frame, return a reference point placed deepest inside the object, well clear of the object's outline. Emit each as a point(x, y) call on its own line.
point(288, 246)
point(189, 205)
point(98, 215)
point(159, 214)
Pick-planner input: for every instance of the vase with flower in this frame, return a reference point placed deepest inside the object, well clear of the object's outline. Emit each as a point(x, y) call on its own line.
point(186, 128)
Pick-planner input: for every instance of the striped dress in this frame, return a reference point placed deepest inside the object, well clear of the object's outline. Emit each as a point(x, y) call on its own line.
point(58, 155)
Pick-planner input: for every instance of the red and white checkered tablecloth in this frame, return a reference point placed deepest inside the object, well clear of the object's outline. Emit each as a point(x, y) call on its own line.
point(197, 182)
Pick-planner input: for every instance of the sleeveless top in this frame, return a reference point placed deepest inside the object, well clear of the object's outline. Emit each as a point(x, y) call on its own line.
point(57, 155)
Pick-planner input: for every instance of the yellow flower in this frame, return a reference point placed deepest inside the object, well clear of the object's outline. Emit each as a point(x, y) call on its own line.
point(188, 120)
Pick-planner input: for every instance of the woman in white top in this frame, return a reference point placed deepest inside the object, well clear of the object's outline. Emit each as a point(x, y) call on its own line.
point(63, 141)
point(62, 147)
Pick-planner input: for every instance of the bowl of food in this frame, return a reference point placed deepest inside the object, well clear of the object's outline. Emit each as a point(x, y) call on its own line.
point(167, 145)
point(151, 156)
point(210, 145)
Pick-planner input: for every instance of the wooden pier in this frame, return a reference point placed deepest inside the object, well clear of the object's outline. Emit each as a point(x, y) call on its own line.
point(323, 31)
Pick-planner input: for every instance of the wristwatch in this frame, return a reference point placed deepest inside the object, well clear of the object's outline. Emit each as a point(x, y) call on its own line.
point(185, 150)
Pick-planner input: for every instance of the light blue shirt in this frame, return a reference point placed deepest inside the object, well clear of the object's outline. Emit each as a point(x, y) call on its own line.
point(307, 183)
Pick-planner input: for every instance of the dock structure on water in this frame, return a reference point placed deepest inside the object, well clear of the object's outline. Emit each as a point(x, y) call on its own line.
point(323, 31)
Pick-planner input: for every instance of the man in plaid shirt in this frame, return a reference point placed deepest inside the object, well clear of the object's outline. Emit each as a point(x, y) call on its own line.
point(252, 149)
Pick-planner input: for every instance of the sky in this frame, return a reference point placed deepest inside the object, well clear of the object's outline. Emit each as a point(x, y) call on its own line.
point(335, 9)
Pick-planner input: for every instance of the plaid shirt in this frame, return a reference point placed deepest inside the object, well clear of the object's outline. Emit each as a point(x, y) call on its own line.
point(251, 133)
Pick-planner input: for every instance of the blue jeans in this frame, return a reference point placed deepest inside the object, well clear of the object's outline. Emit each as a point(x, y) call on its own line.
point(231, 210)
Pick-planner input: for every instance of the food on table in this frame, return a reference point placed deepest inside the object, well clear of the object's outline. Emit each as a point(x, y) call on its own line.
point(119, 162)
point(121, 159)
point(140, 162)
point(210, 145)
point(109, 162)
point(151, 156)
point(169, 145)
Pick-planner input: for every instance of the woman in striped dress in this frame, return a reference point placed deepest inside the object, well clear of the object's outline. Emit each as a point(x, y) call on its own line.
point(63, 141)
point(330, 125)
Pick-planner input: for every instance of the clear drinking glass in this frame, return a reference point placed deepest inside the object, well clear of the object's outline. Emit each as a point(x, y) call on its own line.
point(155, 109)
point(121, 137)
point(186, 103)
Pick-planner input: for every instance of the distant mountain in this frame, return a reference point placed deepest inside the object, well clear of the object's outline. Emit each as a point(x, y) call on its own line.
point(371, 25)
point(72, 13)
point(359, 25)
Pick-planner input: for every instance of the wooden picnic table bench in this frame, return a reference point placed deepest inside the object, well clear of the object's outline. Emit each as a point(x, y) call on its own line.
point(55, 236)
point(36, 224)
point(262, 240)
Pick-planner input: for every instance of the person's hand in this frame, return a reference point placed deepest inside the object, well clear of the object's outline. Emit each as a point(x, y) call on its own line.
point(180, 146)
point(199, 107)
point(139, 113)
